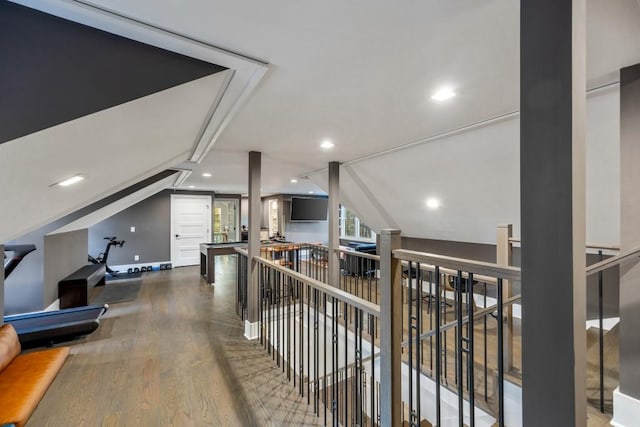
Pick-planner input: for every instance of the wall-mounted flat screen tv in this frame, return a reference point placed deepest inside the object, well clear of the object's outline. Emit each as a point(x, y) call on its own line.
point(308, 209)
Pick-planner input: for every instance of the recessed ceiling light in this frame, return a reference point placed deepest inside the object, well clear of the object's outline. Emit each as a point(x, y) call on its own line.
point(443, 94)
point(310, 192)
point(73, 180)
point(206, 175)
point(433, 203)
point(294, 180)
point(192, 186)
point(327, 144)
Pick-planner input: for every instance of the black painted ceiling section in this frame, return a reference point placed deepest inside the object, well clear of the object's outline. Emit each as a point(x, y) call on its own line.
point(53, 70)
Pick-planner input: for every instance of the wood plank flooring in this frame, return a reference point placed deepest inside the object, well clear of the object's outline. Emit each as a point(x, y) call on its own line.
point(174, 357)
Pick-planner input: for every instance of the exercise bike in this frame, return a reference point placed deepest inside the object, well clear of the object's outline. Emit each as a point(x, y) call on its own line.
point(104, 256)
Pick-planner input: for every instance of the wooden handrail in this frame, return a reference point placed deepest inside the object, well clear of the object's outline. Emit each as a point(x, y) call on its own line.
point(356, 302)
point(603, 246)
point(613, 261)
point(358, 254)
point(476, 277)
point(466, 265)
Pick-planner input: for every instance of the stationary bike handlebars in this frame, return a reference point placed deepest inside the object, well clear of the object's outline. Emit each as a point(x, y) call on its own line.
point(104, 256)
point(19, 252)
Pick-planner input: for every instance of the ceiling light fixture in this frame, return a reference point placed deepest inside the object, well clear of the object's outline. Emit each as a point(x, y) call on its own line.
point(206, 175)
point(310, 192)
point(293, 181)
point(443, 94)
point(327, 144)
point(433, 203)
point(192, 186)
point(73, 180)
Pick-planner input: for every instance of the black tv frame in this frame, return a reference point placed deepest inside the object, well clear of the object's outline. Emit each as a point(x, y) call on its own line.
point(326, 200)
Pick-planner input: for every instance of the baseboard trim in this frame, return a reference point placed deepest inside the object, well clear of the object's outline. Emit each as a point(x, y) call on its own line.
point(251, 330)
point(625, 409)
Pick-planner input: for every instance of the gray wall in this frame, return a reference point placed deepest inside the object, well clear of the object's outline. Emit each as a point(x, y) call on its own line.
point(152, 220)
point(476, 251)
point(151, 240)
point(24, 289)
point(65, 253)
point(307, 232)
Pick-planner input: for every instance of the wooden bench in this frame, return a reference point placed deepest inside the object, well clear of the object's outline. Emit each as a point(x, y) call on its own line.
point(77, 289)
point(24, 379)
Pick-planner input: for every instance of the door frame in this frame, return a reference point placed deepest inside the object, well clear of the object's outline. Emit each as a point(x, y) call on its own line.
point(175, 197)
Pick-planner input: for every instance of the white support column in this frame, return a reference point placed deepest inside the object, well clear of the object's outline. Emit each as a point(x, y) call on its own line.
point(334, 230)
point(504, 256)
point(255, 220)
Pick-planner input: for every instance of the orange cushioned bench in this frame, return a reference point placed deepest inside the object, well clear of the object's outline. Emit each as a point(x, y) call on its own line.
point(24, 379)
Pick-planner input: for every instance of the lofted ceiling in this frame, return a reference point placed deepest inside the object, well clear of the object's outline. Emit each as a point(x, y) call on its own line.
point(361, 74)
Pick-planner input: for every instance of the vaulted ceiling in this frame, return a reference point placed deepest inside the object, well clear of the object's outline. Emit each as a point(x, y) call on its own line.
point(358, 73)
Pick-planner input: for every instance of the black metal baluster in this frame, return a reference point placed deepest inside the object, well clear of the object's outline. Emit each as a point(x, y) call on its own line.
point(372, 384)
point(308, 345)
point(410, 337)
point(301, 341)
point(484, 335)
point(459, 348)
point(324, 372)
point(278, 298)
point(346, 361)
point(470, 352)
point(418, 339)
point(431, 303)
point(601, 333)
point(334, 358)
point(316, 352)
point(444, 311)
point(269, 308)
point(438, 348)
point(500, 356)
point(295, 334)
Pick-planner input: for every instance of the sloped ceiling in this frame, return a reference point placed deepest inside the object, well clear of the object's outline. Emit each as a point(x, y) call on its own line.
point(113, 148)
point(118, 137)
point(391, 190)
point(362, 74)
point(118, 205)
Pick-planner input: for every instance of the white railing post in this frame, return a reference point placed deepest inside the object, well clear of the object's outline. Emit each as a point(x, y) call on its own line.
point(390, 329)
point(504, 256)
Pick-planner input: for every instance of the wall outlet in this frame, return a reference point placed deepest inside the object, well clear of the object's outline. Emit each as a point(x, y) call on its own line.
point(133, 229)
point(136, 257)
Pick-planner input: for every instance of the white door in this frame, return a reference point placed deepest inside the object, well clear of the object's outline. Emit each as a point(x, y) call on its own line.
point(190, 226)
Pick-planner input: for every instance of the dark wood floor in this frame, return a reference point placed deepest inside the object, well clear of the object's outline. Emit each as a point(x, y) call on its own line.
point(174, 357)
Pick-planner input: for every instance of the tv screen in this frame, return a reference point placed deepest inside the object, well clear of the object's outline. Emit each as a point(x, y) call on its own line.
point(308, 209)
